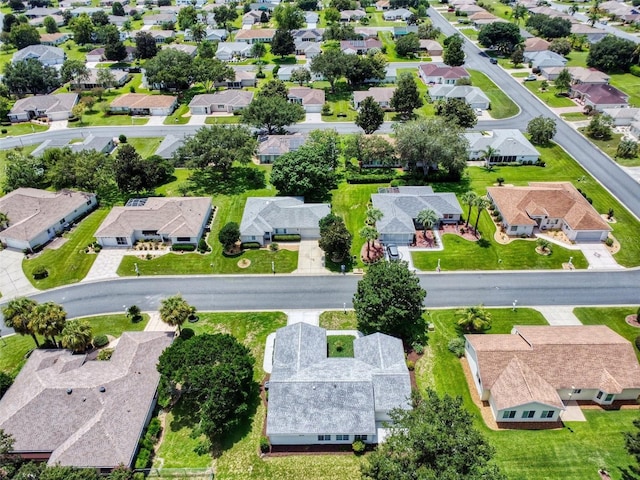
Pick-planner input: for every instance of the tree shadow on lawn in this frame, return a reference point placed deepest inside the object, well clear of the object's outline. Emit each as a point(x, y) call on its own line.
point(238, 180)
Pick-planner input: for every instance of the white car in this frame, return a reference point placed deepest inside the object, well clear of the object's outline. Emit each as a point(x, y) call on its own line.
point(478, 111)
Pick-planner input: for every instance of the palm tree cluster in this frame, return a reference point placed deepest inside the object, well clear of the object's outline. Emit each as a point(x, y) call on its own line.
point(369, 231)
point(472, 199)
point(49, 319)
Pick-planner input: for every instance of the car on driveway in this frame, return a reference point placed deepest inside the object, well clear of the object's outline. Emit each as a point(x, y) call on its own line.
point(392, 252)
point(531, 78)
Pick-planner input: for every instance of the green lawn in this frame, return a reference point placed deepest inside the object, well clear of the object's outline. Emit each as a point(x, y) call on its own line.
point(223, 120)
point(17, 129)
point(340, 346)
point(387, 41)
point(69, 263)
point(610, 147)
point(239, 459)
point(530, 454)
point(612, 317)
point(178, 117)
point(14, 348)
point(180, 176)
point(629, 84)
point(520, 74)
point(577, 59)
point(338, 320)
point(549, 96)
point(574, 116)
point(501, 105)
point(97, 118)
point(470, 33)
point(145, 146)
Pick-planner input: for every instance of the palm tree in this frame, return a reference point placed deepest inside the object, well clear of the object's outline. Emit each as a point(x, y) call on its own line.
point(481, 204)
point(48, 320)
point(198, 31)
point(77, 335)
point(175, 311)
point(18, 314)
point(474, 319)
point(469, 198)
point(427, 218)
point(373, 215)
point(519, 12)
point(544, 244)
point(370, 234)
point(487, 154)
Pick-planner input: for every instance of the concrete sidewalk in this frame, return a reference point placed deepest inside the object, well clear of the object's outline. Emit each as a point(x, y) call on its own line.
point(157, 325)
point(558, 316)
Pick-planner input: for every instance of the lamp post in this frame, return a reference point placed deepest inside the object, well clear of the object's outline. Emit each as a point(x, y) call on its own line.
point(570, 262)
point(344, 307)
point(135, 265)
point(273, 267)
point(438, 267)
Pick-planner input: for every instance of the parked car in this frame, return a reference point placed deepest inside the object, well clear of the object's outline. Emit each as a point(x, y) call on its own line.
point(531, 78)
point(494, 61)
point(478, 111)
point(392, 252)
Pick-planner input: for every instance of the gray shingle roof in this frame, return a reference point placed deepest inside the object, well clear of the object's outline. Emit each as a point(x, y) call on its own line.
point(60, 102)
point(312, 394)
point(86, 428)
point(39, 52)
point(265, 214)
point(169, 145)
point(506, 142)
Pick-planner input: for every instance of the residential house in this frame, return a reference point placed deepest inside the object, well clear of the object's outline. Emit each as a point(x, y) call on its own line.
point(359, 47)
point(168, 146)
point(39, 21)
point(366, 32)
point(229, 50)
point(45, 54)
point(390, 76)
point(211, 34)
point(548, 206)
point(159, 36)
point(242, 79)
point(535, 44)
point(228, 101)
point(550, 12)
point(593, 35)
point(397, 14)
point(76, 12)
point(381, 95)
point(308, 49)
point(307, 35)
point(432, 48)
point(264, 6)
point(473, 96)
point(190, 50)
point(37, 216)
point(623, 117)
point(532, 374)
point(480, 19)
point(264, 217)
point(53, 39)
point(402, 30)
point(439, 73)
point(352, 15)
point(167, 219)
point(120, 77)
point(382, 5)
point(469, 9)
point(118, 20)
point(99, 144)
point(41, 12)
point(509, 146)
point(314, 399)
point(276, 145)
point(187, 3)
point(102, 408)
point(253, 16)
point(43, 107)
point(599, 96)
point(262, 35)
point(159, 18)
point(579, 75)
point(544, 59)
point(142, 104)
point(311, 99)
point(400, 207)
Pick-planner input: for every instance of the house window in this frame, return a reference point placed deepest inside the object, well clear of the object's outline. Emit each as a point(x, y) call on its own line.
point(609, 397)
point(220, 106)
point(149, 232)
point(121, 240)
point(509, 414)
point(547, 414)
point(513, 228)
point(361, 437)
point(62, 221)
point(184, 239)
point(599, 396)
point(577, 390)
point(324, 438)
point(528, 413)
point(342, 437)
point(88, 202)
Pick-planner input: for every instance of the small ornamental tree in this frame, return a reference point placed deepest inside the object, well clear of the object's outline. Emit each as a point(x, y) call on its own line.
point(335, 241)
point(175, 311)
point(229, 235)
point(474, 319)
point(370, 116)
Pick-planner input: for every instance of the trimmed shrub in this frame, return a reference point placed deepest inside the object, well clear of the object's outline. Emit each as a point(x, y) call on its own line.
point(398, 183)
point(456, 346)
point(187, 333)
point(250, 246)
point(286, 237)
point(105, 354)
point(635, 70)
point(274, 247)
point(411, 365)
point(358, 447)
point(122, 138)
point(261, 75)
point(100, 341)
point(183, 247)
point(362, 179)
point(40, 272)
point(154, 429)
point(203, 246)
point(4, 130)
point(609, 242)
point(5, 383)
point(418, 348)
point(264, 445)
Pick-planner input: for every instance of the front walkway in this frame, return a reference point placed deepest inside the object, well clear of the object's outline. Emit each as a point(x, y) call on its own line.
point(558, 316)
point(310, 259)
point(572, 412)
point(156, 325)
point(13, 281)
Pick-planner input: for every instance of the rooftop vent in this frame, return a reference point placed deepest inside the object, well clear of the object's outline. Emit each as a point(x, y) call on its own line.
point(69, 391)
point(102, 389)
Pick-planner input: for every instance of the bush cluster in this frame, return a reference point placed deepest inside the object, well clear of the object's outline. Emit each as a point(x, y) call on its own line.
point(145, 453)
point(264, 445)
point(359, 178)
point(288, 237)
point(100, 341)
point(456, 346)
point(203, 246)
point(358, 447)
point(183, 247)
point(105, 354)
point(250, 246)
point(40, 272)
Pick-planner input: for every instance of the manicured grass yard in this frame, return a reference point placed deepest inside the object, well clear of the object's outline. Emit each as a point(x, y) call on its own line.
point(470, 33)
point(340, 345)
point(239, 459)
point(501, 105)
point(145, 146)
point(549, 96)
point(338, 320)
point(629, 84)
point(14, 348)
point(69, 263)
point(178, 117)
point(22, 129)
point(612, 317)
point(530, 454)
point(610, 147)
point(574, 116)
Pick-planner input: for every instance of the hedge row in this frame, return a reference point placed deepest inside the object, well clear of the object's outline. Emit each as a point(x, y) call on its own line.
point(183, 247)
point(293, 237)
point(250, 245)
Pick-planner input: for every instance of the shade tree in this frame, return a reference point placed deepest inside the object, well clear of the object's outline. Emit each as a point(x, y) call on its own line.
point(502, 36)
point(335, 241)
point(272, 113)
point(370, 115)
point(406, 97)
point(541, 129)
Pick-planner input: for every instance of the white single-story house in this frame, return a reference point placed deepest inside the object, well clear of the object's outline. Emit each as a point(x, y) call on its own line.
point(312, 35)
point(160, 18)
point(168, 146)
point(211, 34)
point(241, 79)
point(36, 216)
point(510, 146)
point(593, 35)
point(43, 107)
point(53, 39)
point(397, 14)
point(229, 50)
point(101, 408)
point(264, 217)
point(578, 74)
point(143, 104)
point(530, 375)
point(99, 144)
point(623, 117)
point(439, 73)
point(276, 145)
point(548, 206)
point(316, 400)
point(311, 99)
point(473, 96)
point(400, 207)
point(167, 219)
point(352, 15)
point(120, 77)
point(190, 50)
point(45, 54)
point(360, 47)
point(544, 59)
point(381, 95)
point(224, 101)
point(262, 35)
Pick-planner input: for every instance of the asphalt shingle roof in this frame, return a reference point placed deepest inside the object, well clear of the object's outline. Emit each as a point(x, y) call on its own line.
point(265, 214)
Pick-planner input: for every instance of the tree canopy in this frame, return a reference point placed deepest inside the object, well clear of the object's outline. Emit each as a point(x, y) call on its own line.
point(335, 240)
point(612, 54)
point(407, 45)
point(389, 299)
point(288, 16)
point(503, 36)
point(474, 319)
point(136, 174)
point(542, 129)
point(30, 76)
point(453, 55)
point(370, 115)
point(272, 113)
point(406, 98)
point(457, 112)
point(215, 375)
point(549, 27)
point(170, 69)
point(331, 65)
point(436, 439)
point(175, 310)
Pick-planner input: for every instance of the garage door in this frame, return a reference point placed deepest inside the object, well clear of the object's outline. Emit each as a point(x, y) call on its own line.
point(588, 236)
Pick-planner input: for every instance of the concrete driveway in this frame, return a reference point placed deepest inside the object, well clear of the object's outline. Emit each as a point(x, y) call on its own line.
point(13, 282)
point(310, 259)
point(599, 257)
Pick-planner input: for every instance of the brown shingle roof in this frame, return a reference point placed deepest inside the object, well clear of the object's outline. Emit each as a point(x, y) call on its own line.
point(536, 44)
point(251, 34)
point(309, 96)
point(556, 200)
point(442, 70)
point(141, 100)
point(563, 357)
